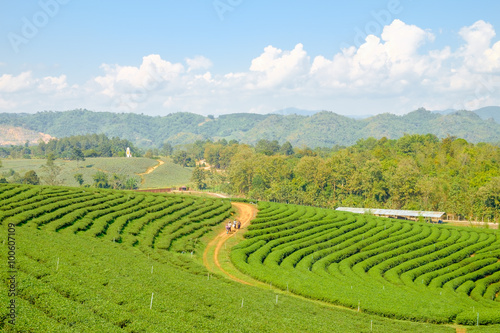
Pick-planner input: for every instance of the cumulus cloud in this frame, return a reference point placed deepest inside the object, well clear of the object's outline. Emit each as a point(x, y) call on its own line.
point(130, 86)
point(198, 62)
point(25, 82)
point(391, 61)
point(389, 72)
point(277, 67)
point(477, 53)
point(10, 83)
point(151, 74)
point(53, 84)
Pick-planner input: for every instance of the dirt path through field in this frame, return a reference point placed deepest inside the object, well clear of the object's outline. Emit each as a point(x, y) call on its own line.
point(245, 214)
point(151, 169)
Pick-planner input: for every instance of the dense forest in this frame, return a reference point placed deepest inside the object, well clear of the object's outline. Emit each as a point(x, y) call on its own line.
point(322, 129)
point(419, 172)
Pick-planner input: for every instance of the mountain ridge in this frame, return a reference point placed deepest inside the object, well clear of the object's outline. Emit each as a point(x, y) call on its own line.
point(322, 129)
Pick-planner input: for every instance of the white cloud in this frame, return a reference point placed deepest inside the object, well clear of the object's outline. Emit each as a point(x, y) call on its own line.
point(402, 40)
point(25, 82)
point(168, 102)
point(387, 73)
point(53, 84)
point(391, 62)
point(477, 53)
point(153, 73)
point(198, 62)
point(7, 105)
point(275, 67)
point(10, 83)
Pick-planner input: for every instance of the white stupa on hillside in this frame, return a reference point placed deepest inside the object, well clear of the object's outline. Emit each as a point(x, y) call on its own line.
point(128, 153)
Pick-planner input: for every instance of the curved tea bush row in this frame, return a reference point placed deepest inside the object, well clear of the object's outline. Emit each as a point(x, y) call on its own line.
point(39, 203)
point(28, 214)
point(393, 268)
point(115, 216)
point(83, 215)
point(96, 220)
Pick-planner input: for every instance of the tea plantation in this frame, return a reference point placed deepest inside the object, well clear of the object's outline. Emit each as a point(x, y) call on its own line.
point(398, 269)
point(88, 260)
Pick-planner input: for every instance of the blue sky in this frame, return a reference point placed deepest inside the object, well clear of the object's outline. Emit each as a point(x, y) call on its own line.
point(224, 56)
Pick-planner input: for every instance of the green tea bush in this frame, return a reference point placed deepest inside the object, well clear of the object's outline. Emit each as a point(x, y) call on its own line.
point(398, 269)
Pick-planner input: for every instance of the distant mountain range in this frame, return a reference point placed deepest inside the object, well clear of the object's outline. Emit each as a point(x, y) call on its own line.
point(319, 129)
point(295, 111)
point(489, 112)
point(485, 113)
point(301, 112)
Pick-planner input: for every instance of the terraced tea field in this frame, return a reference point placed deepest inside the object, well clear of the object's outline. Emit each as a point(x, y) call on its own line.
point(397, 269)
point(89, 260)
point(172, 223)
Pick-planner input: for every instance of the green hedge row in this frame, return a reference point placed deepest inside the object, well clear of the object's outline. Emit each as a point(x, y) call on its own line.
point(386, 267)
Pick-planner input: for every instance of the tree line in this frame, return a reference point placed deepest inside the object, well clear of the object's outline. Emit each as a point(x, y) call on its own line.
point(417, 172)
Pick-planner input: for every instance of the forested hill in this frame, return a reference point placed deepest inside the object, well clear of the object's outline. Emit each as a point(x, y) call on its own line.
point(323, 129)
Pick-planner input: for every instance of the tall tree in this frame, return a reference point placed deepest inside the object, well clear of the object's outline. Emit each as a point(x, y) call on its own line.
point(181, 157)
point(131, 183)
point(267, 147)
point(31, 178)
point(286, 149)
point(198, 178)
point(167, 149)
point(100, 180)
point(79, 178)
point(77, 154)
point(51, 171)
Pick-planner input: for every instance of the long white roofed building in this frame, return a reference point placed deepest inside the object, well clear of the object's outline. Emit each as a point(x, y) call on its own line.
point(413, 214)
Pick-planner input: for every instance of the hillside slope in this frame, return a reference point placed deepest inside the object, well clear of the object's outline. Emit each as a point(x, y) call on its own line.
point(489, 112)
point(12, 135)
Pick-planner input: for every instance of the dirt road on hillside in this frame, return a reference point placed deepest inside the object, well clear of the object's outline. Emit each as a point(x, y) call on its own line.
point(245, 213)
point(151, 169)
